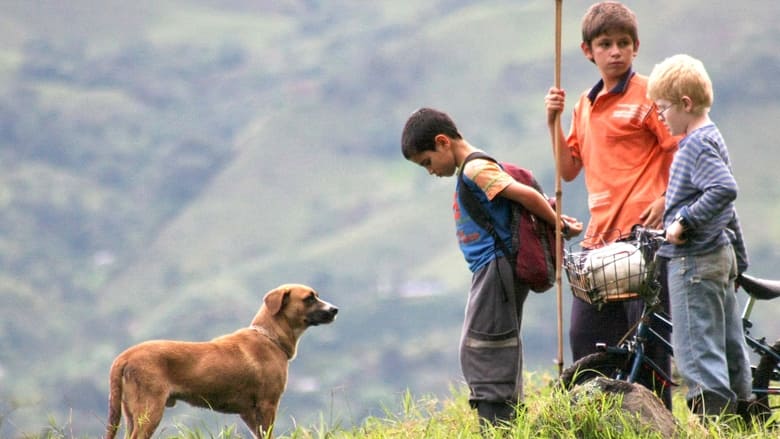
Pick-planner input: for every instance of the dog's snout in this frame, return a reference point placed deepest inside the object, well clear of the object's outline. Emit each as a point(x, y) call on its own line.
point(324, 314)
point(331, 310)
point(328, 307)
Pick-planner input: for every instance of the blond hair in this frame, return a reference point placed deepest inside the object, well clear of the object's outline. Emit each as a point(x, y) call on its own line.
point(681, 75)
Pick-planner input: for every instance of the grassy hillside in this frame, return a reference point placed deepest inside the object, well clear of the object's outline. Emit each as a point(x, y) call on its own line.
point(167, 163)
point(547, 412)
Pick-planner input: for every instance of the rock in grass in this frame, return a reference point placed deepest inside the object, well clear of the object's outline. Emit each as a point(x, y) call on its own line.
point(635, 400)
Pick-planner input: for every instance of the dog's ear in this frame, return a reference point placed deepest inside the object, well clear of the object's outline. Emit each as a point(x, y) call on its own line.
point(275, 299)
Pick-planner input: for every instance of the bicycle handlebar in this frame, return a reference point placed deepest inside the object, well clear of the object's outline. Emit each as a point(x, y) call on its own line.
point(656, 234)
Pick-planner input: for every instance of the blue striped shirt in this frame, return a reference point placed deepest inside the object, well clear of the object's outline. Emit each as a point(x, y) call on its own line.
point(703, 189)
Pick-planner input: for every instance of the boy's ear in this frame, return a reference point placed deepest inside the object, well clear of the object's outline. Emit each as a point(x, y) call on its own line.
point(687, 103)
point(441, 140)
point(586, 51)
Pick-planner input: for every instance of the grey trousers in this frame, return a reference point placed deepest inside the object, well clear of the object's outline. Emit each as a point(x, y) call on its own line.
point(491, 350)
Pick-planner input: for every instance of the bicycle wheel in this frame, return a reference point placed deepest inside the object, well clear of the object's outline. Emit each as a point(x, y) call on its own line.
point(599, 364)
point(767, 372)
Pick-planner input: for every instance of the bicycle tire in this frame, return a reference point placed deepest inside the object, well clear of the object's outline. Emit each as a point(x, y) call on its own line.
point(768, 370)
point(589, 367)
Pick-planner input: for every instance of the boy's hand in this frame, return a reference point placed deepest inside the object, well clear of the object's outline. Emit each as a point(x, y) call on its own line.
point(675, 233)
point(652, 217)
point(575, 227)
point(554, 102)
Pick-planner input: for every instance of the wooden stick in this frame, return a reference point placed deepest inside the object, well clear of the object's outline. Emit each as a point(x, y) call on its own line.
point(558, 190)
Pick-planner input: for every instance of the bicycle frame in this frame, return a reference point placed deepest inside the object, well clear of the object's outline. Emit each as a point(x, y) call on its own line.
point(758, 345)
point(632, 345)
point(635, 347)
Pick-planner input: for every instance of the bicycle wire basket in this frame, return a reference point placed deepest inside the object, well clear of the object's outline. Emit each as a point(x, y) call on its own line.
point(613, 272)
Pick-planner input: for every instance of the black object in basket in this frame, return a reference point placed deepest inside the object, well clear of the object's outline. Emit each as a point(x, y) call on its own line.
point(615, 272)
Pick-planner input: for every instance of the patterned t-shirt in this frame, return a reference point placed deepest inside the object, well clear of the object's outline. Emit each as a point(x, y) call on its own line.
point(486, 180)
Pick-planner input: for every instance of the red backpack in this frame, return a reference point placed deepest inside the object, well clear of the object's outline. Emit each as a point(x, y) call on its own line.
point(533, 239)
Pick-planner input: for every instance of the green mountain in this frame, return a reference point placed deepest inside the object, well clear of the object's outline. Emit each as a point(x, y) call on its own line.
point(167, 163)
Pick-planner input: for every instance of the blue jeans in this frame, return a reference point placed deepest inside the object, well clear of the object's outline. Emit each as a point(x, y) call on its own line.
point(709, 346)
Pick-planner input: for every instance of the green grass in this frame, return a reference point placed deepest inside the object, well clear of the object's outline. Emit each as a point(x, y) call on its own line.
point(548, 413)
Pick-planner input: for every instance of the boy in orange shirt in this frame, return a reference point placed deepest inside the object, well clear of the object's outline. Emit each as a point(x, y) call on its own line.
point(625, 153)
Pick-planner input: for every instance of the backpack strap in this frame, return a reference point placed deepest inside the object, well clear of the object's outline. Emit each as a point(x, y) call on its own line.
point(475, 209)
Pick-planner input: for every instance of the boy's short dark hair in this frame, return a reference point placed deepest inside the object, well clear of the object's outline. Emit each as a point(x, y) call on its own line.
point(608, 16)
point(422, 127)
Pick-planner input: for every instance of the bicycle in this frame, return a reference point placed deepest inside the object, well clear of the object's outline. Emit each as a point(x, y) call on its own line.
point(629, 274)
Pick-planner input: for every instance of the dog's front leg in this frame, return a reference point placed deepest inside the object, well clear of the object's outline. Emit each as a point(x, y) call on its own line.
point(261, 420)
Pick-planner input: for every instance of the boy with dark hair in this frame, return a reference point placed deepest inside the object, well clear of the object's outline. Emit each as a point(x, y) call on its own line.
point(491, 354)
point(705, 247)
point(625, 153)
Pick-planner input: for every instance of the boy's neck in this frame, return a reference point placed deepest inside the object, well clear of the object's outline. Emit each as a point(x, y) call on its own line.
point(610, 82)
point(697, 123)
point(461, 149)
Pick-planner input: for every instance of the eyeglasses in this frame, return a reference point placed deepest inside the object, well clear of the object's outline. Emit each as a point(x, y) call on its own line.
point(663, 110)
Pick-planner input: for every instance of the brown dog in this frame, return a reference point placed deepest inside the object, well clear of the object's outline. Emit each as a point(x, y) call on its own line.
point(244, 372)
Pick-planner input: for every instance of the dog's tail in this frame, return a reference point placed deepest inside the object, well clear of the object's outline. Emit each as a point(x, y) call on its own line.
point(115, 398)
